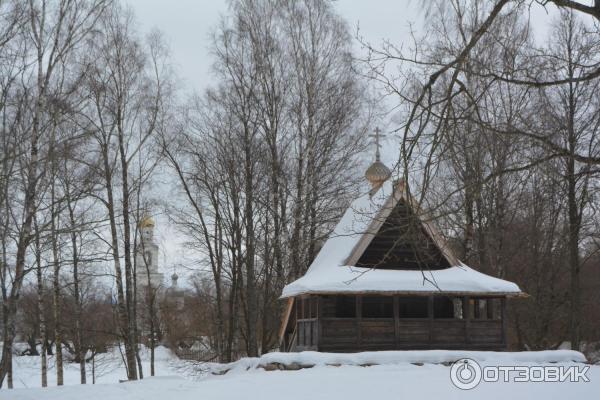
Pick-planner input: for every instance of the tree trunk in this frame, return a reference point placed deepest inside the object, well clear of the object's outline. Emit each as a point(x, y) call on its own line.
point(574, 226)
point(56, 292)
point(121, 305)
point(132, 353)
point(40, 308)
point(251, 295)
point(10, 306)
point(79, 348)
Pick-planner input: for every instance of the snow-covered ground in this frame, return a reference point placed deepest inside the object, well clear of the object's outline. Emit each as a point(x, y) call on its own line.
point(108, 368)
point(398, 375)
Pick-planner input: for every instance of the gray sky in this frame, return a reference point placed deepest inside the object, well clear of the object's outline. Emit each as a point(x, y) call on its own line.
point(186, 25)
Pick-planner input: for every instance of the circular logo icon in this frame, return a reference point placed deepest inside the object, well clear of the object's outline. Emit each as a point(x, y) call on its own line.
point(465, 374)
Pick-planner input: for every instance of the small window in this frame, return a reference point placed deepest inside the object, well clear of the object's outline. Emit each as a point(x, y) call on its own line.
point(483, 311)
point(307, 334)
point(305, 308)
point(412, 307)
point(496, 308)
point(378, 307)
point(300, 333)
point(458, 307)
point(478, 308)
point(328, 306)
point(345, 307)
point(443, 307)
point(472, 309)
point(314, 304)
point(489, 308)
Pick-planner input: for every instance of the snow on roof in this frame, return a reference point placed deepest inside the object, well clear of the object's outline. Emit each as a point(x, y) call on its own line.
point(329, 273)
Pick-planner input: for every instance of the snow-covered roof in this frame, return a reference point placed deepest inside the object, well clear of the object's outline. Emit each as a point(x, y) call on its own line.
point(330, 272)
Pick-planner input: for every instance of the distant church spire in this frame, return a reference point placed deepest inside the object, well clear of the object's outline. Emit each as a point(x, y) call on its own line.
point(377, 173)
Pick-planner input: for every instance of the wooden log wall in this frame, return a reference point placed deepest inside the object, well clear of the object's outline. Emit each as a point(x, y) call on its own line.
point(323, 332)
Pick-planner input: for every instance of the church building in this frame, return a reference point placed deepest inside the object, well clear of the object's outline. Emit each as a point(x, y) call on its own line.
point(147, 256)
point(386, 280)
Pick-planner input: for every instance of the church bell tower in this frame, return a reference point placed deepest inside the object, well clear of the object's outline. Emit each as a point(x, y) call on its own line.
point(147, 255)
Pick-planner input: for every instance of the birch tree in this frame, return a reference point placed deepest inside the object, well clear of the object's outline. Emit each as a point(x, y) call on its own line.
point(54, 31)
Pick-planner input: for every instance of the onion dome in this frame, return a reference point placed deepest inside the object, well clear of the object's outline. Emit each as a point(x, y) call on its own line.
point(147, 222)
point(377, 173)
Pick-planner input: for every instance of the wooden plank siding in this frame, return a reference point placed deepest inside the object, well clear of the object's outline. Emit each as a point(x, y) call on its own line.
point(326, 333)
point(402, 242)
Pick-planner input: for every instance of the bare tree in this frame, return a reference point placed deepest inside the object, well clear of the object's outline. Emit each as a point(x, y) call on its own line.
point(477, 90)
point(267, 156)
point(125, 90)
point(55, 30)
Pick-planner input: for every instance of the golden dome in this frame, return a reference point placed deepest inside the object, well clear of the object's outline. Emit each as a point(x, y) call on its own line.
point(146, 222)
point(377, 173)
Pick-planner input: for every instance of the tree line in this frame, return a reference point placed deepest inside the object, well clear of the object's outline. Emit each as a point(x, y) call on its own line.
point(498, 138)
point(500, 130)
point(93, 117)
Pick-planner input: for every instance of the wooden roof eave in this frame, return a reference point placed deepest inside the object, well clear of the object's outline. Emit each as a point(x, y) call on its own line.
point(412, 293)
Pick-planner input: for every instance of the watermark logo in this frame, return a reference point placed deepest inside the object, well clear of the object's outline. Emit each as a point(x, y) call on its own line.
point(466, 373)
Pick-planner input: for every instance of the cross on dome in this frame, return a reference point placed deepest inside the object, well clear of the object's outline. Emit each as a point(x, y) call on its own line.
point(378, 172)
point(377, 135)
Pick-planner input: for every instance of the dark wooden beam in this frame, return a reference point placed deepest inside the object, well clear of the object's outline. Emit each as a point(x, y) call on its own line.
point(430, 315)
point(503, 318)
point(319, 320)
point(358, 302)
point(396, 322)
point(467, 318)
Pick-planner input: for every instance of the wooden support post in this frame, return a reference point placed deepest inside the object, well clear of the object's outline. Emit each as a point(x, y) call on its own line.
point(396, 322)
point(467, 318)
point(430, 316)
point(297, 305)
point(309, 324)
point(319, 320)
point(503, 317)
point(490, 308)
point(358, 320)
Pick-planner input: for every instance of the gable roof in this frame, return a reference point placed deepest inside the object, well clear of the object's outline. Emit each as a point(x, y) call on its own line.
point(334, 271)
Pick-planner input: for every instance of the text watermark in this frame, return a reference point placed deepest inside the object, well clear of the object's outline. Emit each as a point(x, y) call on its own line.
point(467, 373)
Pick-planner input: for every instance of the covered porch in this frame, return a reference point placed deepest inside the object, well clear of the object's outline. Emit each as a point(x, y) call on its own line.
point(368, 322)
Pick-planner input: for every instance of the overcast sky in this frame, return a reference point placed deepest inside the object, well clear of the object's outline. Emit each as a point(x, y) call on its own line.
point(186, 25)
